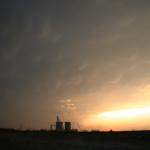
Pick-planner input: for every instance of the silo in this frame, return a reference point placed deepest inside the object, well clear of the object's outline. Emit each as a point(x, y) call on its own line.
point(59, 126)
point(67, 126)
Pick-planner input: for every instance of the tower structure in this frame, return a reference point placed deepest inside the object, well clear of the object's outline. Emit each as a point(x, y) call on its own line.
point(59, 125)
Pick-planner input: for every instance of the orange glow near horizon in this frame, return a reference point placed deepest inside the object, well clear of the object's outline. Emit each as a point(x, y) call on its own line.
point(126, 114)
point(125, 119)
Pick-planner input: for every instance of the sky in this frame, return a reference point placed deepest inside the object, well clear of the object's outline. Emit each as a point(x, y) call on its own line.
point(84, 60)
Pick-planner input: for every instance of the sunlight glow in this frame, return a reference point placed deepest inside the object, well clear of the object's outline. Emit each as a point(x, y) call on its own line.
point(124, 119)
point(127, 113)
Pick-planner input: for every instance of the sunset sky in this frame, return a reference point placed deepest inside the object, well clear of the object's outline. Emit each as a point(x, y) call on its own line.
point(87, 61)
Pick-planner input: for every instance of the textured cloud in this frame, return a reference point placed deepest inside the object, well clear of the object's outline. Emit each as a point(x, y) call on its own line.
point(68, 105)
point(91, 51)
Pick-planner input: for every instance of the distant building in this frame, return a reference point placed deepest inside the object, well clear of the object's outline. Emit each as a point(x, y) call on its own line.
point(67, 126)
point(59, 125)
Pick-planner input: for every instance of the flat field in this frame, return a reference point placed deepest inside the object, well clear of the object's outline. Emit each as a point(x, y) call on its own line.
point(45, 140)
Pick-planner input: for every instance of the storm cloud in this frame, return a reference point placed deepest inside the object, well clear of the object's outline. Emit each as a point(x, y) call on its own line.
point(62, 49)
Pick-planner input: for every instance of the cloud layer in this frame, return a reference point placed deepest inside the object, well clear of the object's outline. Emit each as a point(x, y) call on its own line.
point(92, 51)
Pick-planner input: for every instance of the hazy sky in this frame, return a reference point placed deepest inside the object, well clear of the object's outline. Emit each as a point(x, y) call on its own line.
point(75, 58)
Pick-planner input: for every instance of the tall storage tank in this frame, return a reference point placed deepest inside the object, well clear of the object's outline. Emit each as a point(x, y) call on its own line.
point(59, 126)
point(67, 126)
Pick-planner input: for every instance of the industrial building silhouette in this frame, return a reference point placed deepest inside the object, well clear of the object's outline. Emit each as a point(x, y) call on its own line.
point(61, 126)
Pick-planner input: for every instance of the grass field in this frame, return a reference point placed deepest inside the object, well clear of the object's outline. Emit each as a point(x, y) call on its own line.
point(44, 140)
